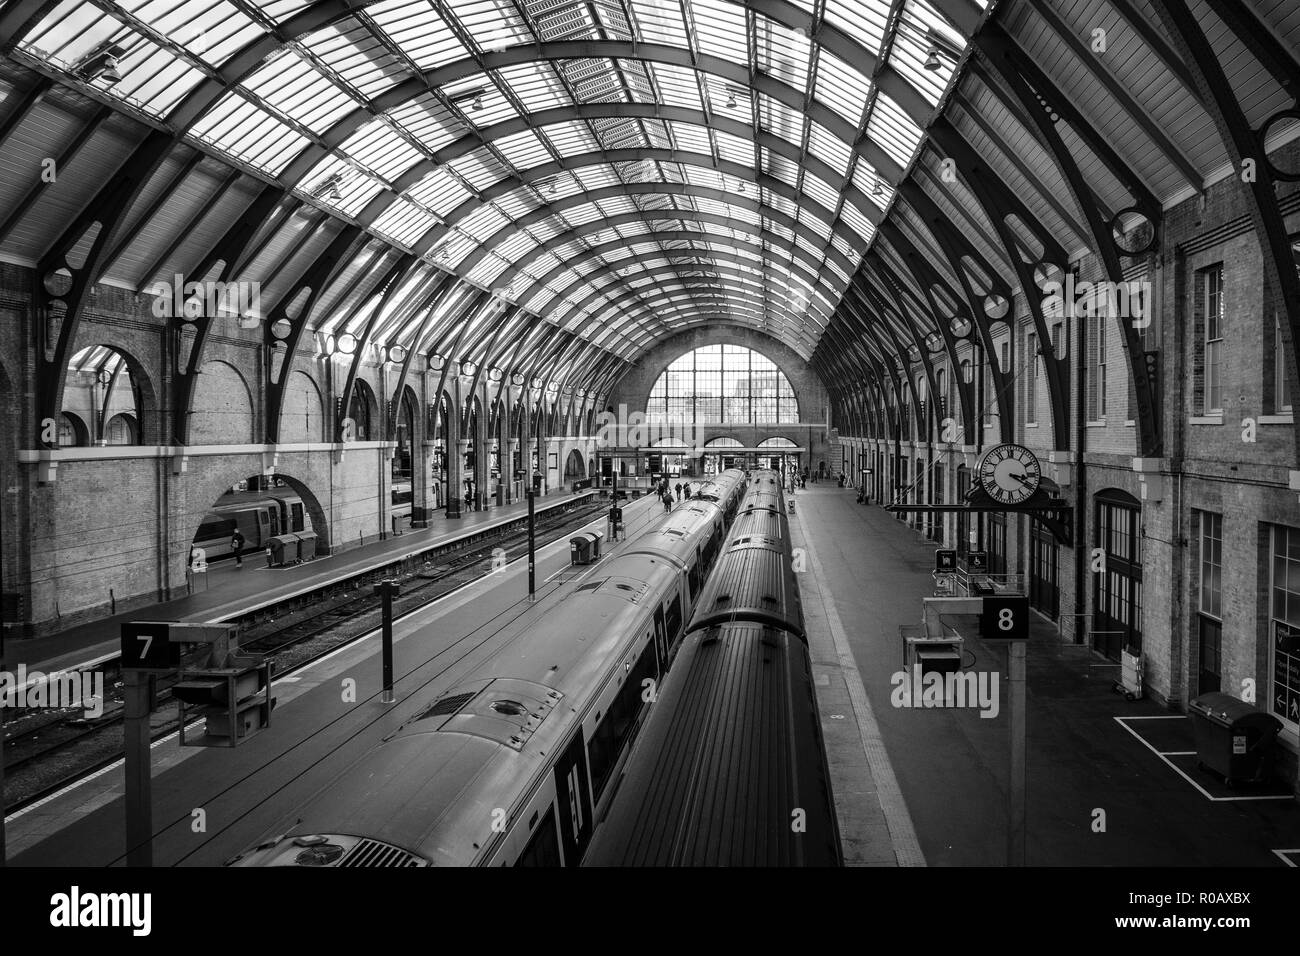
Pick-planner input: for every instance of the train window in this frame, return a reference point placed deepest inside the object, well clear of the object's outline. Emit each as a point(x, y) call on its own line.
point(693, 580)
point(543, 848)
point(215, 528)
point(674, 619)
point(613, 733)
point(296, 508)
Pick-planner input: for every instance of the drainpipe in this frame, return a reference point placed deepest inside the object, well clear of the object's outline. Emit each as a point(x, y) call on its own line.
point(1081, 561)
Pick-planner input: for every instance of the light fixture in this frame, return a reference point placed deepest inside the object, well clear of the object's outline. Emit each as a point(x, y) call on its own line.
point(468, 368)
point(877, 189)
point(101, 64)
point(552, 189)
point(478, 103)
point(328, 188)
point(731, 100)
point(932, 59)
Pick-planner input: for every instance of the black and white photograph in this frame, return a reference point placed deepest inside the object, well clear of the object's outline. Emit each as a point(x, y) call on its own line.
point(849, 443)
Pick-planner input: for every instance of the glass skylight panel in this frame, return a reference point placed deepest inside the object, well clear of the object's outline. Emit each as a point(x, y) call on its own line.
point(483, 222)
point(352, 51)
point(780, 119)
point(536, 86)
point(249, 133)
point(210, 29)
point(735, 149)
point(154, 79)
point(404, 222)
point(841, 87)
point(547, 229)
point(426, 119)
point(440, 191)
point(377, 147)
point(825, 196)
point(781, 204)
point(782, 52)
point(418, 30)
point(280, 10)
point(677, 85)
point(523, 150)
point(893, 130)
point(486, 271)
point(829, 148)
point(493, 23)
point(540, 303)
point(301, 92)
point(720, 29)
point(863, 20)
point(580, 215)
point(74, 28)
point(783, 169)
point(480, 168)
point(571, 138)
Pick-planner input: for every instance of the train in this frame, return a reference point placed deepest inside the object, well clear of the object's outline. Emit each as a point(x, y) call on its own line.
point(259, 516)
point(730, 767)
point(516, 763)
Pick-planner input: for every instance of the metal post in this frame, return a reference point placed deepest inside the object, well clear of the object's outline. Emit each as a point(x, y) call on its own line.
point(2, 759)
point(386, 590)
point(1016, 814)
point(139, 773)
point(532, 543)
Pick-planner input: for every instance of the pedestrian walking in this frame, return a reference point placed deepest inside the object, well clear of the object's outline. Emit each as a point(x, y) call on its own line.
point(679, 491)
point(668, 501)
point(237, 546)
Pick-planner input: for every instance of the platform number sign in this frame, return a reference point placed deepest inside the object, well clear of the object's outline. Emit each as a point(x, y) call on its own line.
point(1005, 618)
point(146, 646)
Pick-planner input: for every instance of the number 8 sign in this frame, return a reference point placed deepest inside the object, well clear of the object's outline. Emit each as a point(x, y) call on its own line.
point(1005, 618)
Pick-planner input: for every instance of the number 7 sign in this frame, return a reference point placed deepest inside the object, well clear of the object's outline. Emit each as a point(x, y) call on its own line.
point(146, 646)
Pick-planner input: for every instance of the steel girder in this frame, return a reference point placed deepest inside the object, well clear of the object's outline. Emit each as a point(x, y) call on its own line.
point(444, 287)
point(282, 344)
point(873, 301)
point(927, 277)
point(1044, 103)
point(62, 284)
point(1281, 280)
point(397, 274)
point(502, 321)
point(227, 251)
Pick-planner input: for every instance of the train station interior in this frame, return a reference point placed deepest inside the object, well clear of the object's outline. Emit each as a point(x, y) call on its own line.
point(345, 345)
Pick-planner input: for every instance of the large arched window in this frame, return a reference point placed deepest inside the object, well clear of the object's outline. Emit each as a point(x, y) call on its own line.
point(722, 384)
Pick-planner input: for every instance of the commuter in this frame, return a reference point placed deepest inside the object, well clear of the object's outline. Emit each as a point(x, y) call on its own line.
point(668, 501)
point(237, 546)
point(679, 491)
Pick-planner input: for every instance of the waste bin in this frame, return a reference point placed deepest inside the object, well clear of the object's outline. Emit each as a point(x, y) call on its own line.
point(580, 549)
point(284, 549)
point(596, 538)
point(1233, 738)
point(306, 545)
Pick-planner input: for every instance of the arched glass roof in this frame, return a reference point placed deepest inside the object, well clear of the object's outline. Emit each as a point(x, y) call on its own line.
point(623, 168)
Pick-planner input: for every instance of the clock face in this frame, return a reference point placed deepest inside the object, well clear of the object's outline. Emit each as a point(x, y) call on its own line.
point(1010, 474)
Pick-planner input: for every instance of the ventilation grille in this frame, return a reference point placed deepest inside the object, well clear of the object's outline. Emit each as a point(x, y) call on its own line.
point(372, 853)
point(448, 705)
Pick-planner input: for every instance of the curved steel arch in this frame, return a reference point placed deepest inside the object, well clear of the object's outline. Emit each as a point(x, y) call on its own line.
point(607, 157)
point(746, 279)
point(577, 200)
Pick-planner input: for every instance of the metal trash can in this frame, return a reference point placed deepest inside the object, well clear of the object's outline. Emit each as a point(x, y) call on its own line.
point(306, 545)
point(1233, 738)
point(284, 549)
point(580, 548)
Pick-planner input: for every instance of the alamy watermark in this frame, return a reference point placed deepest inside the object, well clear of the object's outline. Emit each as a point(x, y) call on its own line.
point(57, 690)
point(195, 300)
point(624, 429)
point(1122, 300)
point(928, 689)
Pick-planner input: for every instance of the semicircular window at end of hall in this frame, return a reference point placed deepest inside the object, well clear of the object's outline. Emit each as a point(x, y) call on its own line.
point(722, 384)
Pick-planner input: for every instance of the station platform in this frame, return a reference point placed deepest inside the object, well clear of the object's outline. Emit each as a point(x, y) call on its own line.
point(251, 791)
point(1110, 782)
point(225, 591)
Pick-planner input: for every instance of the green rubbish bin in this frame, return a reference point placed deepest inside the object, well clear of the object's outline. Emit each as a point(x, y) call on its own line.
point(284, 549)
point(306, 545)
point(1233, 738)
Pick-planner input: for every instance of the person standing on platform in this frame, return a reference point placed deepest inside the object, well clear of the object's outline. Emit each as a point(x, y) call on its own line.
point(668, 500)
point(679, 491)
point(237, 546)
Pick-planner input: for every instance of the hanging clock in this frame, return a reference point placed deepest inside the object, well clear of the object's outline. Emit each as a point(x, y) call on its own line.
point(1010, 474)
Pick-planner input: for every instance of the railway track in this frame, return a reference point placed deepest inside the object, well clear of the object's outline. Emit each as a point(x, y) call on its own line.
point(47, 750)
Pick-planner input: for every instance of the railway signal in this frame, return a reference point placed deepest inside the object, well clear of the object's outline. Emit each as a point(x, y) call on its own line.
point(388, 590)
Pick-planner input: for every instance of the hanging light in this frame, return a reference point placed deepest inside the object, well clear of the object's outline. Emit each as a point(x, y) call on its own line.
point(932, 59)
point(878, 189)
point(731, 100)
point(478, 103)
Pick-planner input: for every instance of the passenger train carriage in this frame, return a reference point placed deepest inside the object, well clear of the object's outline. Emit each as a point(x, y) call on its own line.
point(730, 768)
point(259, 516)
point(515, 764)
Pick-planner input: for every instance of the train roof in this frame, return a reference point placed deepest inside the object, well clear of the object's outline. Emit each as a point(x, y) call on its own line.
point(730, 752)
point(432, 785)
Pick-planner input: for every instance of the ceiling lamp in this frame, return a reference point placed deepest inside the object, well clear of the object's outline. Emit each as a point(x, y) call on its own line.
point(932, 59)
point(478, 102)
point(731, 100)
point(552, 189)
point(101, 64)
point(877, 189)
